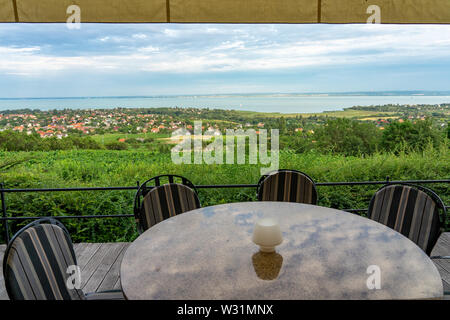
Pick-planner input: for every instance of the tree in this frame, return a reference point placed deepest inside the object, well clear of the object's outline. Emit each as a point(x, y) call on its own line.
point(416, 135)
point(282, 125)
point(15, 141)
point(448, 130)
point(83, 142)
point(345, 136)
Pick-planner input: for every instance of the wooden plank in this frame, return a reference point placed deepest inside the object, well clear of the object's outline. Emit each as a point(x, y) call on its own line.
point(445, 266)
point(3, 293)
point(118, 285)
point(113, 274)
point(79, 248)
point(445, 275)
point(442, 248)
point(112, 250)
point(446, 235)
point(88, 270)
point(87, 254)
point(445, 240)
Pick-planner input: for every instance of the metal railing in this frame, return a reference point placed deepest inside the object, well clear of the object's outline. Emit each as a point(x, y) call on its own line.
point(4, 218)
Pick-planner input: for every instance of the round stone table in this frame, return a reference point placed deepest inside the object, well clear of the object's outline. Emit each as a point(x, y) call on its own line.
point(326, 254)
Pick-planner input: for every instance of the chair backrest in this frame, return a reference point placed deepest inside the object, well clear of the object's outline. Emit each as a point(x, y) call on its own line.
point(411, 210)
point(36, 261)
point(288, 186)
point(166, 201)
point(157, 181)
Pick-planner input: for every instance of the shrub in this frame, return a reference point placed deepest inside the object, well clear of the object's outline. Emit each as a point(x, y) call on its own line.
point(20, 141)
point(348, 137)
point(116, 146)
point(414, 136)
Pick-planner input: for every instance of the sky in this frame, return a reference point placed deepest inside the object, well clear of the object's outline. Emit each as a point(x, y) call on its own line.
point(51, 60)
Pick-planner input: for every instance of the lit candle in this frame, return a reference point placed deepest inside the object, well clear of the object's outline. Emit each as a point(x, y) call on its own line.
point(267, 234)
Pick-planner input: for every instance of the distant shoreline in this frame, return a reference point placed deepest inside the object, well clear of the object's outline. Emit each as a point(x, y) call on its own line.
point(264, 103)
point(235, 95)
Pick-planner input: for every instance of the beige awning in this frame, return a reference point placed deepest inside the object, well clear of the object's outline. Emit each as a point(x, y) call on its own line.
point(229, 11)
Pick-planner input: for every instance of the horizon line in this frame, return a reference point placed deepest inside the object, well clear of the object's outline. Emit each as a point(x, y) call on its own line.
point(365, 93)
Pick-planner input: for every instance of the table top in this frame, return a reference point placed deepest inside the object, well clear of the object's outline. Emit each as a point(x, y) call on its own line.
point(326, 254)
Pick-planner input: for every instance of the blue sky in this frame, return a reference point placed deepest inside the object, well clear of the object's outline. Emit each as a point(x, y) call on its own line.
point(50, 60)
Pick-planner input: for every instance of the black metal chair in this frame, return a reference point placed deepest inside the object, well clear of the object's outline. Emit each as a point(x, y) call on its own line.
point(287, 185)
point(36, 262)
point(162, 197)
point(415, 211)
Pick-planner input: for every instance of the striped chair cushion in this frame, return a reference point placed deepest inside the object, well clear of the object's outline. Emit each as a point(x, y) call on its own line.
point(165, 201)
point(288, 186)
point(409, 211)
point(36, 265)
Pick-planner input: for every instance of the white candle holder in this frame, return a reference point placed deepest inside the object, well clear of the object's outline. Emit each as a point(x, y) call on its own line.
point(267, 234)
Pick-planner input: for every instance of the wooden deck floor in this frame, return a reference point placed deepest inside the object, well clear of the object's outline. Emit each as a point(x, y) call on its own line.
point(100, 264)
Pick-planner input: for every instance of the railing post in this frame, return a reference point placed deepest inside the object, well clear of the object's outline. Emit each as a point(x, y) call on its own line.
point(138, 204)
point(5, 221)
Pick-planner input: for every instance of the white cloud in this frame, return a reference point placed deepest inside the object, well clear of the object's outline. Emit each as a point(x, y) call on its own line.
point(171, 32)
point(229, 45)
point(196, 49)
point(16, 50)
point(139, 36)
point(149, 49)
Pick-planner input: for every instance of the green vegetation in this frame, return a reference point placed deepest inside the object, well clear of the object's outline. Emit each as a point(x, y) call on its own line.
point(85, 168)
point(409, 146)
point(413, 135)
point(335, 135)
point(138, 121)
point(16, 141)
point(347, 137)
point(352, 137)
point(116, 146)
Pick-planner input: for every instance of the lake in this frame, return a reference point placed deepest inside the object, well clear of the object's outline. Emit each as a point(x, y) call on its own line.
point(272, 103)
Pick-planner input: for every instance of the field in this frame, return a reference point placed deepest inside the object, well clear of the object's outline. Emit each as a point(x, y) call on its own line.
point(114, 137)
point(95, 168)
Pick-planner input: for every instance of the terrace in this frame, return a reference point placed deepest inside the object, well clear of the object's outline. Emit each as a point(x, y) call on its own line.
point(324, 245)
point(100, 262)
